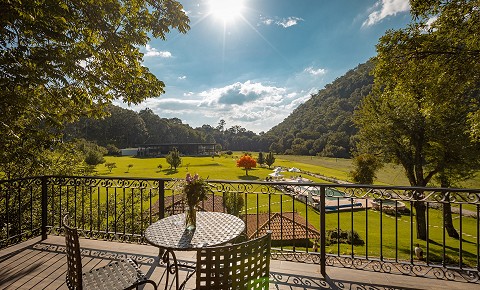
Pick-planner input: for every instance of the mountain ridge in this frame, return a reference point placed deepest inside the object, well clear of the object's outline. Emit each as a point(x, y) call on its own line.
point(323, 125)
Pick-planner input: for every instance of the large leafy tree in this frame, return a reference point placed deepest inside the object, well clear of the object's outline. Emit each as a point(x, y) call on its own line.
point(247, 162)
point(270, 159)
point(158, 129)
point(418, 113)
point(365, 167)
point(452, 40)
point(60, 60)
point(173, 158)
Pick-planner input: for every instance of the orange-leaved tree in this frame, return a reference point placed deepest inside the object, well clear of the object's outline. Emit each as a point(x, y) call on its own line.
point(247, 162)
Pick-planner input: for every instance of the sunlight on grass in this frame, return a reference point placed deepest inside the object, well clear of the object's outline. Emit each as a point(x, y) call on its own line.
point(390, 239)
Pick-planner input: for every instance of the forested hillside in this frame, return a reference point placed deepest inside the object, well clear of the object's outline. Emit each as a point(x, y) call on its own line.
point(127, 128)
point(323, 125)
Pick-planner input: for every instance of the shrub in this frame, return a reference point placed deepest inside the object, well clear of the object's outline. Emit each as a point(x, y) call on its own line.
point(173, 158)
point(113, 150)
point(343, 237)
point(233, 203)
point(94, 158)
point(111, 165)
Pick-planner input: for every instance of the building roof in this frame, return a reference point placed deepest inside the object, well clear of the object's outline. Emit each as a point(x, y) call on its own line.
point(174, 144)
point(284, 226)
point(281, 224)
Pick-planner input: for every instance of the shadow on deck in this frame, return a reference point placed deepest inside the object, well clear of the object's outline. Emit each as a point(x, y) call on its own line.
point(39, 264)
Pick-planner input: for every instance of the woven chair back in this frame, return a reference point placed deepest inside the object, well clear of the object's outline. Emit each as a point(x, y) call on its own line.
point(240, 266)
point(74, 259)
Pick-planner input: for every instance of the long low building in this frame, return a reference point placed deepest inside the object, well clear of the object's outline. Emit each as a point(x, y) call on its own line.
point(189, 149)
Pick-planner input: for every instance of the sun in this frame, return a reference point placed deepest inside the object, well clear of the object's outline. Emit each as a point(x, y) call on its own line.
point(226, 10)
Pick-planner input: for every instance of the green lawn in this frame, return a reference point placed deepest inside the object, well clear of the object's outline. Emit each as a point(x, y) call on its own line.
point(390, 174)
point(224, 167)
point(391, 227)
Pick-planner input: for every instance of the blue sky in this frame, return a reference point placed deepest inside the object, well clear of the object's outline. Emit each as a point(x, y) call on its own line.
point(255, 61)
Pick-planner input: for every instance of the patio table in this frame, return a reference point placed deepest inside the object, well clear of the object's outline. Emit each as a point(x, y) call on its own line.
point(169, 234)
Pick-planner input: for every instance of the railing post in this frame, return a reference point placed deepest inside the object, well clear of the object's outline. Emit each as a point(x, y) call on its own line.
point(44, 207)
point(323, 259)
point(161, 199)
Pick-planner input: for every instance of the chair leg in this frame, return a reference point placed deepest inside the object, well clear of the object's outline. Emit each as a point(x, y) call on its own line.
point(149, 282)
point(161, 251)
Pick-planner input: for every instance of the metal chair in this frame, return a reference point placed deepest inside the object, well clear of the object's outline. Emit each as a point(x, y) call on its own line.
point(116, 275)
point(240, 266)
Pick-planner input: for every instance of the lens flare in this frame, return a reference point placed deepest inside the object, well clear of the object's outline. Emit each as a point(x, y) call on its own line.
point(226, 10)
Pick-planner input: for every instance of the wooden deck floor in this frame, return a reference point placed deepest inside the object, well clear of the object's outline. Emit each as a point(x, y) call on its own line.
point(42, 265)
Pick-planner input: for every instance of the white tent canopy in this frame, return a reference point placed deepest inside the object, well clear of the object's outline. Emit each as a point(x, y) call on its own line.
point(275, 174)
point(294, 169)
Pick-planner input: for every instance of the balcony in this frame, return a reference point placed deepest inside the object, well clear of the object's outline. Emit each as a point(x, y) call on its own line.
point(307, 219)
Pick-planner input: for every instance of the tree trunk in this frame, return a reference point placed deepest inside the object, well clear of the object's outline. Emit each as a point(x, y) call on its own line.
point(447, 209)
point(420, 209)
point(448, 222)
point(447, 214)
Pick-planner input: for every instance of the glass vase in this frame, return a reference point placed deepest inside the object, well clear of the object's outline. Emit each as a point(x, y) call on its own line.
point(190, 218)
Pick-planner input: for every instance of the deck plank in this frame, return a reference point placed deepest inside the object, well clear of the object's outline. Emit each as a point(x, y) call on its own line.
point(37, 264)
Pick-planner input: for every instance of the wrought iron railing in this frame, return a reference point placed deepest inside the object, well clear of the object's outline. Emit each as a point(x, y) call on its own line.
point(355, 226)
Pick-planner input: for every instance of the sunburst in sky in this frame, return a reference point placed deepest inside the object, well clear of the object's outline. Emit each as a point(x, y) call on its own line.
point(226, 10)
point(251, 62)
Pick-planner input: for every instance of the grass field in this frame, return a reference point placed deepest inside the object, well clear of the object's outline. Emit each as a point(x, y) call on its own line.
point(379, 243)
point(339, 168)
point(224, 168)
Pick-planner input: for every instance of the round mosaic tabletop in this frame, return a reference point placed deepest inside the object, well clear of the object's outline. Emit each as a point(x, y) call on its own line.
point(213, 228)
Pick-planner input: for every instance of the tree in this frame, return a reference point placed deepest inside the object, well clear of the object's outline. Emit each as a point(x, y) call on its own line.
point(365, 166)
point(158, 129)
point(67, 59)
point(113, 150)
point(110, 166)
point(93, 154)
point(173, 158)
point(452, 40)
point(233, 203)
point(270, 159)
point(417, 115)
point(261, 159)
point(247, 162)
point(221, 125)
point(94, 158)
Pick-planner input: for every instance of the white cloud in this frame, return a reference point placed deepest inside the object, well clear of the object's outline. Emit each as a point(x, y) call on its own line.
point(268, 21)
point(152, 51)
point(240, 94)
point(385, 8)
point(290, 21)
point(284, 22)
point(253, 105)
point(315, 72)
point(182, 78)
